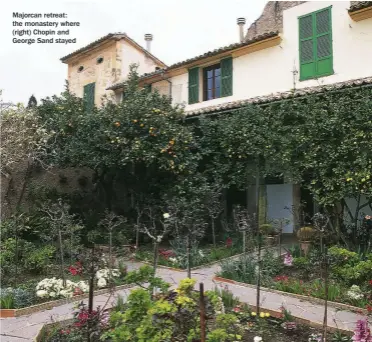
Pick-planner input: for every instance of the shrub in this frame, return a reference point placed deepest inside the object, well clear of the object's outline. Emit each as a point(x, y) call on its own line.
point(341, 256)
point(38, 260)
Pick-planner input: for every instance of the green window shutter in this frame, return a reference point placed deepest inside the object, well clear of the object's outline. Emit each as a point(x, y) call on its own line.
point(324, 65)
point(89, 91)
point(316, 44)
point(193, 85)
point(226, 77)
point(307, 60)
point(148, 87)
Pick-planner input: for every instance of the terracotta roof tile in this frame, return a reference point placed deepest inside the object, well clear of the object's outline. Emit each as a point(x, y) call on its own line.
point(358, 5)
point(280, 96)
point(200, 57)
point(114, 36)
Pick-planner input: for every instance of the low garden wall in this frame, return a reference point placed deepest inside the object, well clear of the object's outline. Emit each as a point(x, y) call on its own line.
point(310, 299)
point(8, 313)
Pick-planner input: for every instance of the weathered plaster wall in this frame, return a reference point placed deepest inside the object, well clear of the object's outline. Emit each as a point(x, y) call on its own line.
point(15, 190)
point(271, 70)
point(131, 55)
point(271, 18)
point(103, 74)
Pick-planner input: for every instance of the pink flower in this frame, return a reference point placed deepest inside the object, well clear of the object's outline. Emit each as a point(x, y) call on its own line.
point(288, 259)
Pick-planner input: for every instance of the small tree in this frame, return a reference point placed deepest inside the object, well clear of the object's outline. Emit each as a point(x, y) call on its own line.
point(320, 224)
point(111, 221)
point(245, 223)
point(156, 228)
point(214, 206)
point(61, 225)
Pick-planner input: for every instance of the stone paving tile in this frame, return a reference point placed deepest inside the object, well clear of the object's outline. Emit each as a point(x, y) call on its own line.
point(27, 327)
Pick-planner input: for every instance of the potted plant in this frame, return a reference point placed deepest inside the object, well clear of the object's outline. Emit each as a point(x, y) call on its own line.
point(269, 232)
point(305, 235)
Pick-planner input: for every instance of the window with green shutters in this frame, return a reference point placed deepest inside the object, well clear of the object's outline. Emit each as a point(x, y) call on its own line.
point(315, 32)
point(193, 85)
point(89, 90)
point(217, 81)
point(226, 77)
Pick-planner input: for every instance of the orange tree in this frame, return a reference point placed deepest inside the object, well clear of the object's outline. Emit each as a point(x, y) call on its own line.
point(142, 139)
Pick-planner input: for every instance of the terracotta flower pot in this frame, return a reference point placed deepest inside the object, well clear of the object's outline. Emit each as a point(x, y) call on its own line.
point(305, 246)
point(6, 313)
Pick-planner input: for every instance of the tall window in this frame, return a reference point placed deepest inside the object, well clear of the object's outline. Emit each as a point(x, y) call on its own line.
point(316, 57)
point(212, 82)
point(89, 91)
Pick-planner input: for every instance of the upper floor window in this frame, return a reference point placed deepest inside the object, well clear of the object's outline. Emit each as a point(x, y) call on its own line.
point(216, 81)
point(315, 32)
point(212, 82)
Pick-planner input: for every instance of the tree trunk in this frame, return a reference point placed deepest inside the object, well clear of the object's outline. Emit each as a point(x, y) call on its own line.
point(62, 264)
point(324, 335)
point(110, 256)
point(202, 313)
point(213, 233)
point(137, 233)
point(188, 256)
point(156, 253)
point(258, 275)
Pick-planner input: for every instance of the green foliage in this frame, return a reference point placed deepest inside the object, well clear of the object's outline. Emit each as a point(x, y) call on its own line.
point(16, 298)
point(341, 256)
point(145, 274)
point(244, 269)
point(144, 128)
point(228, 329)
point(228, 299)
point(38, 260)
point(167, 316)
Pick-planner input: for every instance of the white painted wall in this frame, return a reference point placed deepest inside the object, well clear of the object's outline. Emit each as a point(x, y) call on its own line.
point(269, 71)
point(352, 203)
point(131, 55)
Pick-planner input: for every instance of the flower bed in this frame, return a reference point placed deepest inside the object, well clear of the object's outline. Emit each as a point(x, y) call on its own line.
point(38, 295)
point(199, 257)
point(174, 315)
point(348, 276)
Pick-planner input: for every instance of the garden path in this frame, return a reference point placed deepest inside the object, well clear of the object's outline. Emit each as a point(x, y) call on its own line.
point(25, 328)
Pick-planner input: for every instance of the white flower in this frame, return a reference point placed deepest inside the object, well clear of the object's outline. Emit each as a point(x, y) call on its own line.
point(101, 283)
point(355, 292)
point(83, 286)
point(52, 294)
point(173, 260)
point(166, 215)
point(257, 339)
point(201, 253)
point(41, 293)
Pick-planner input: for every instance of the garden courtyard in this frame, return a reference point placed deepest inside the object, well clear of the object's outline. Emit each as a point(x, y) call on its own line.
point(249, 226)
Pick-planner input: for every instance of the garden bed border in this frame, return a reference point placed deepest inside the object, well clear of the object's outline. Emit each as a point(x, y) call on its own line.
point(192, 268)
point(310, 299)
point(9, 313)
point(273, 313)
point(210, 263)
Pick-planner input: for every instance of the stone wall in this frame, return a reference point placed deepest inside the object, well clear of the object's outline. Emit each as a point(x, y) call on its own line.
point(103, 74)
point(15, 189)
point(271, 18)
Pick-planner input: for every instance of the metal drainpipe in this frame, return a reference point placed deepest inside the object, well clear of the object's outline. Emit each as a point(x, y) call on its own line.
point(170, 83)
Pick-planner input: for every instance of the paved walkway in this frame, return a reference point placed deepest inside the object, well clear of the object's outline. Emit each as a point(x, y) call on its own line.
point(25, 328)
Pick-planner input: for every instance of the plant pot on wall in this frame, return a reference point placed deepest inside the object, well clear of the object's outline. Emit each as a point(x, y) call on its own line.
point(305, 247)
point(306, 235)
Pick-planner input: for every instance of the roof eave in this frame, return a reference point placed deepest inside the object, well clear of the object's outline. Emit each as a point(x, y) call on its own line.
point(157, 76)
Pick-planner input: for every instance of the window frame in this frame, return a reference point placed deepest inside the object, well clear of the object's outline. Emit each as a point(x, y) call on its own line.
point(213, 67)
point(314, 38)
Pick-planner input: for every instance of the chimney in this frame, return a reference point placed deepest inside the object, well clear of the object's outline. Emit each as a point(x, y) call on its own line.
point(148, 39)
point(241, 23)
